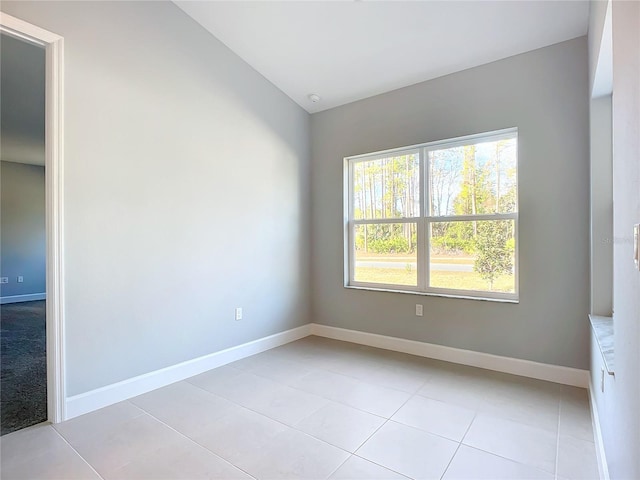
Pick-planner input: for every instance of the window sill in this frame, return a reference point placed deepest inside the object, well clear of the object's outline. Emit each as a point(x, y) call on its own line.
point(603, 331)
point(433, 294)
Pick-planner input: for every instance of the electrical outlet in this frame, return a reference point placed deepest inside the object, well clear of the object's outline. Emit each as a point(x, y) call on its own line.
point(239, 313)
point(20, 279)
point(4, 279)
point(418, 310)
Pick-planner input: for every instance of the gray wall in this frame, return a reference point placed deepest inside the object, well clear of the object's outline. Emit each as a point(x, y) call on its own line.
point(22, 223)
point(600, 126)
point(545, 94)
point(618, 404)
point(186, 191)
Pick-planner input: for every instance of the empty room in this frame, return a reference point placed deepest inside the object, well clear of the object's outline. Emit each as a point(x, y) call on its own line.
point(330, 240)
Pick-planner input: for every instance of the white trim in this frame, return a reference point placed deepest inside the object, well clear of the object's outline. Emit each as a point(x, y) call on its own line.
point(117, 392)
point(26, 31)
point(603, 76)
point(54, 173)
point(472, 218)
point(378, 287)
point(423, 229)
point(23, 298)
point(515, 366)
point(385, 221)
point(424, 220)
point(54, 147)
point(603, 467)
point(435, 292)
point(453, 142)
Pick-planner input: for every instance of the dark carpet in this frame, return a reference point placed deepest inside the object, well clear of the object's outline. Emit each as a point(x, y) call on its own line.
point(23, 365)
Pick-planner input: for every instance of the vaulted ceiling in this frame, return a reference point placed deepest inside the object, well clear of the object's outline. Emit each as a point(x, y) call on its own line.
point(340, 50)
point(345, 51)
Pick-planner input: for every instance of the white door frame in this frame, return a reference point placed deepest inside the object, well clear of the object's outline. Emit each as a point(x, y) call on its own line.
point(54, 45)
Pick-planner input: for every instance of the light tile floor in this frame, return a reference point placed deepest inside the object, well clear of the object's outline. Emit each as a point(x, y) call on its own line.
point(317, 409)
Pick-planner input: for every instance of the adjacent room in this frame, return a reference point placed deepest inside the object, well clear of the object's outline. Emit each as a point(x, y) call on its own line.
point(23, 384)
point(332, 240)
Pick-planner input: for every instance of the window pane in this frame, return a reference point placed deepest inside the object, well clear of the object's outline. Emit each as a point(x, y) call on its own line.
point(386, 253)
point(479, 178)
point(386, 187)
point(473, 255)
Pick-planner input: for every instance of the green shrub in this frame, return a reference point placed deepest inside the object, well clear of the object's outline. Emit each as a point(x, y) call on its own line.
point(389, 245)
point(452, 245)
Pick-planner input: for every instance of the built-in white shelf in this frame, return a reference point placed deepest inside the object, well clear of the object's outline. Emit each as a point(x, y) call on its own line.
point(603, 331)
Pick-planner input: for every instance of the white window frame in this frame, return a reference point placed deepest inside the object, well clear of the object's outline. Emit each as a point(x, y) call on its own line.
point(424, 220)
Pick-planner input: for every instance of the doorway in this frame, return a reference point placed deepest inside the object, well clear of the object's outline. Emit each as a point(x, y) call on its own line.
point(23, 380)
point(48, 341)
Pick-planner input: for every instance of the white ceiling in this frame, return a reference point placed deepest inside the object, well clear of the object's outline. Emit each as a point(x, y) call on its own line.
point(345, 51)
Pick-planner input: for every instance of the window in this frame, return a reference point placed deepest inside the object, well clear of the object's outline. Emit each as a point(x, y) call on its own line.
point(438, 218)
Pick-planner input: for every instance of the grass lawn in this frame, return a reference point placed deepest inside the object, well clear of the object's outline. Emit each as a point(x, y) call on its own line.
point(439, 279)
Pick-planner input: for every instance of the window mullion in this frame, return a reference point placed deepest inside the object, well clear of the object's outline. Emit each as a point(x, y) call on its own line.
point(473, 218)
point(423, 247)
point(382, 221)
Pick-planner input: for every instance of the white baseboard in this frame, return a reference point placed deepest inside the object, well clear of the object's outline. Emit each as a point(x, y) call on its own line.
point(23, 298)
point(117, 392)
point(515, 366)
point(603, 467)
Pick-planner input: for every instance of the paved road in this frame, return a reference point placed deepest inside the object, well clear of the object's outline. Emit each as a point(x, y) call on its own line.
point(442, 267)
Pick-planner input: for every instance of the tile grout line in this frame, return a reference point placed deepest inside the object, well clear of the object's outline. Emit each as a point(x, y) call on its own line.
point(381, 466)
point(555, 469)
point(478, 412)
point(296, 389)
point(475, 415)
point(475, 412)
point(459, 445)
point(527, 465)
point(450, 461)
point(339, 466)
point(333, 371)
point(412, 395)
point(292, 427)
point(238, 405)
point(519, 462)
point(353, 454)
point(387, 420)
point(198, 444)
point(354, 377)
point(77, 452)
